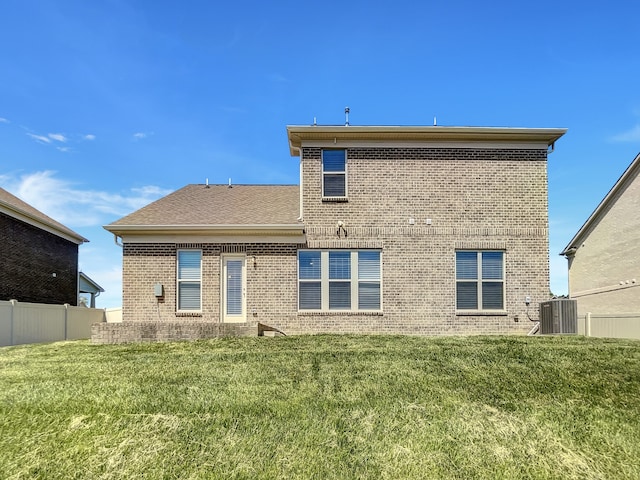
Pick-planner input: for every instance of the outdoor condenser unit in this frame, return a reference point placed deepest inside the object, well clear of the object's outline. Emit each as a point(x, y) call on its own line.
point(558, 316)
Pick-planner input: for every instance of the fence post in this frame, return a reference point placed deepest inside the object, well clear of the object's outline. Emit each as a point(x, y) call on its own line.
point(587, 324)
point(13, 306)
point(66, 319)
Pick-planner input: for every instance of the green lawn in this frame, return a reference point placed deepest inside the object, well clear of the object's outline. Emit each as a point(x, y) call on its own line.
point(323, 407)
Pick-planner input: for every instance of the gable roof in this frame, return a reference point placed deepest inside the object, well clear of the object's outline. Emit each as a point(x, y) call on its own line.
point(342, 135)
point(200, 207)
point(20, 210)
point(87, 285)
point(601, 210)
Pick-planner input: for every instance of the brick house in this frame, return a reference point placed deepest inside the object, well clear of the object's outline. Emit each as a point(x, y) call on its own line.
point(604, 255)
point(393, 229)
point(39, 256)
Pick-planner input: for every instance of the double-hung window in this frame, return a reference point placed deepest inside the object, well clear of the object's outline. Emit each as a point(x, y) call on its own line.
point(189, 280)
point(339, 280)
point(334, 174)
point(309, 280)
point(479, 280)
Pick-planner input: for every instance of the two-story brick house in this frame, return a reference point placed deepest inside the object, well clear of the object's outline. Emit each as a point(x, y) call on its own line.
point(38, 255)
point(393, 229)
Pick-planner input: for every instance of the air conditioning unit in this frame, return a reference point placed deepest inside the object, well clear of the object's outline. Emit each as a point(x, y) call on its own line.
point(559, 316)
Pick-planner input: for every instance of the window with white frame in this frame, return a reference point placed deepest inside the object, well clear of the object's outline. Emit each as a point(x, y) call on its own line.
point(189, 280)
point(479, 280)
point(334, 173)
point(339, 280)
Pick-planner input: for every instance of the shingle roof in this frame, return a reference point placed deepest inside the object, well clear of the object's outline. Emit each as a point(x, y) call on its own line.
point(220, 205)
point(21, 210)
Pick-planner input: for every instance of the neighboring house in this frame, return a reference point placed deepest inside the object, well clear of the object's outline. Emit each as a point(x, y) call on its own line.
point(88, 286)
point(39, 256)
point(604, 256)
point(393, 229)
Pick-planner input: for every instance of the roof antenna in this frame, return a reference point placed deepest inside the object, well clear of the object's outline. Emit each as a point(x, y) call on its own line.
point(206, 183)
point(346, 114)
point(435, 122)
point(314, 121)
point(230, 183)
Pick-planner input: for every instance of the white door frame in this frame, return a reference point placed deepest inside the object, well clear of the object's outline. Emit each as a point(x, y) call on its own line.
point(226, 275)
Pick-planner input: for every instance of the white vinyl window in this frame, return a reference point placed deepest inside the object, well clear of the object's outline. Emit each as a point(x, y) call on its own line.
point(334, 174)
point(479, 280)
point(189, 280)
point(339, 280)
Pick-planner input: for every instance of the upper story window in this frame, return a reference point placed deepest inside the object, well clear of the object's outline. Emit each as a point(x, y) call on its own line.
point(189, 280)
point(334, 174)
point(479, 280)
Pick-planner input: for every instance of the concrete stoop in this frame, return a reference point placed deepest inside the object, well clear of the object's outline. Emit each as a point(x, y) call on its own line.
point(137, 332)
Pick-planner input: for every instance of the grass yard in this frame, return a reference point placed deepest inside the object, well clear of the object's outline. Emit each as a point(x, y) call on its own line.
point(323, 407)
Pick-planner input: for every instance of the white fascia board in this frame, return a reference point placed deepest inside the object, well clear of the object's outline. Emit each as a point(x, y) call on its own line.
point(34, 222)
point(385, 135)
point(627, 177)
point(216, 230)
point(400, 144)
point(205, 238)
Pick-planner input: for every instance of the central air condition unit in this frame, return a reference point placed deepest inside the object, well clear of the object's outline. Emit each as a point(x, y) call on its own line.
point(559, 316)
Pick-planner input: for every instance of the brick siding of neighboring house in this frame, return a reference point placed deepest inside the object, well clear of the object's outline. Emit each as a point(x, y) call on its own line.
point(30, 257)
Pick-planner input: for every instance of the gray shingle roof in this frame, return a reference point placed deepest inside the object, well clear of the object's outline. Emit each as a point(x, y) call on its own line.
point(220, 205)
point(23, 211)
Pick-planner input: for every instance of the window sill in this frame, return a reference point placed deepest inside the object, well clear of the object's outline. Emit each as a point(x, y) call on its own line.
point(188, 314)
point(341, 312)
point(335, 199)
point(478, 313)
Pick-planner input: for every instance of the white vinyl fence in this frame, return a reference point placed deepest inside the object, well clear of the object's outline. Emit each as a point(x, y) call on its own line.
point(611, 326)
point(113, 315)
point(22, 323)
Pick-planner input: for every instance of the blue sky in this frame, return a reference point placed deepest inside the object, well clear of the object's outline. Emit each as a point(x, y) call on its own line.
point(108, 105)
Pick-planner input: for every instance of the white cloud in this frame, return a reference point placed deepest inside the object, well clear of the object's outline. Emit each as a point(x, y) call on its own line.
point(74, 207)
point(632, 135)
point(150, 191)
point(139, 135)
point(58, 137)
point(64, 149)
point(39, 138)
point(4, 120)
point(52, 138)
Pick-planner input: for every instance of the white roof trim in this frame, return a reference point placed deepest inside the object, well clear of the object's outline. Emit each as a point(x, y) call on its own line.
point(330, 135)
point(23, 216)
point(257, 230)
point(601, 209)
